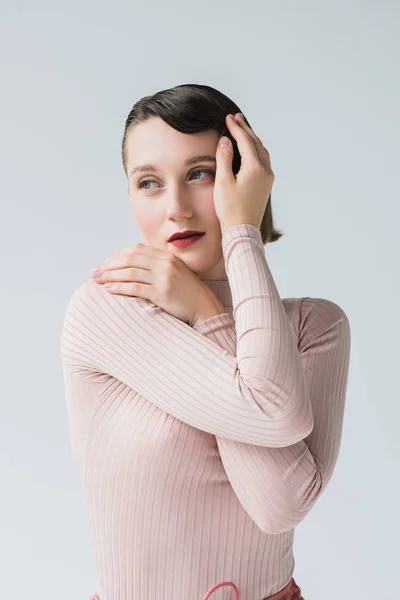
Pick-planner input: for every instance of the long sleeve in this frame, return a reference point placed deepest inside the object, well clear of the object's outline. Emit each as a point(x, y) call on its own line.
point(279, 486)
point(260, 396)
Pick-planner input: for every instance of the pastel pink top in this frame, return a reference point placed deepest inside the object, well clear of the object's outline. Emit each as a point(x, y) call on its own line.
point(199, 449)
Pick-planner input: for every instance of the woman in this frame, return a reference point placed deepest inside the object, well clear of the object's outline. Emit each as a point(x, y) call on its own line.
point(205, 411)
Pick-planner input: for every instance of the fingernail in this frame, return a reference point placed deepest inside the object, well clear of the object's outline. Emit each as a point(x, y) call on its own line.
point(96, 272)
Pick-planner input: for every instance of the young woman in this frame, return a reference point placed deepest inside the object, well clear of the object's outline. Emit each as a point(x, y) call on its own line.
point(205, 411)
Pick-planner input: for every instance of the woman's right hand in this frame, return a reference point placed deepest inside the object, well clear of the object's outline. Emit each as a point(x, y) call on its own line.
point(242, 199)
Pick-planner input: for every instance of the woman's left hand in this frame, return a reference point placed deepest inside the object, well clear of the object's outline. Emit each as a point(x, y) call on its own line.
point(160, 277)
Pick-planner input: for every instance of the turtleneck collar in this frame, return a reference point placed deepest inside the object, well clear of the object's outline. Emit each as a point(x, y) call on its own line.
point(221, 289)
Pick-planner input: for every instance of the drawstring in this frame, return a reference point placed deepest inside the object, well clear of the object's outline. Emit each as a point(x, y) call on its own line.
point(206, 597)
point(212, 590)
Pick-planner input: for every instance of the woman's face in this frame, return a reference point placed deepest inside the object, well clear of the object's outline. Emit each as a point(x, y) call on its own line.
point(179, 196)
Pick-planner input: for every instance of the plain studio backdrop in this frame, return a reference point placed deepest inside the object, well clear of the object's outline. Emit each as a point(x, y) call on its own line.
point(319, 83)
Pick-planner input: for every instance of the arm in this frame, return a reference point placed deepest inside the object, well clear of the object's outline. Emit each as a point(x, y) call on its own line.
point(279, 486)
point(259, 397)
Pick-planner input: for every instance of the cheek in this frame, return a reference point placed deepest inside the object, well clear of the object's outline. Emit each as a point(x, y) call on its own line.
point(146, 213)
point(208, 209)
point(148, 221)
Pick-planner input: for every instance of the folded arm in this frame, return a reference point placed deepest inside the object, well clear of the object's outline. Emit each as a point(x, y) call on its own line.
point(279, 486)
point(259, 396)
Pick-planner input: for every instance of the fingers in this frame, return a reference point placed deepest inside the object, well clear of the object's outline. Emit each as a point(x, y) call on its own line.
point(130, 288)
point(124, 257)
point(262, 152)
point(129, 275)
point(246, 146)
point(123, 265)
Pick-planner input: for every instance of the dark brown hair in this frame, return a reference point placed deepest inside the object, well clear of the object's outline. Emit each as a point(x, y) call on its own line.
point(192, 108)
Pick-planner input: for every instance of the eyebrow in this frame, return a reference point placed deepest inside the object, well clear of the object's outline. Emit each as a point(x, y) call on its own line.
point(188, 162)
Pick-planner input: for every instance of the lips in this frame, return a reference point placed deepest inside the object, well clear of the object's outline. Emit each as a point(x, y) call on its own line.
point(184, 235)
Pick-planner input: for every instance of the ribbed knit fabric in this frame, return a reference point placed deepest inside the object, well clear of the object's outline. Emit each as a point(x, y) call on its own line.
point(199, 449)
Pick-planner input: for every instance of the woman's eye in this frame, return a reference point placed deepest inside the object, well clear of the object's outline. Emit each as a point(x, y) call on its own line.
point(141, 184)
point(144, 181)
point(209, 171)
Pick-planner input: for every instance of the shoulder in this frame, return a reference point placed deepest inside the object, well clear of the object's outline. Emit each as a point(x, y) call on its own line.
point(86, 289)
point(86, 292)
point(91, 299)
point(322, 311)
point(312, 317)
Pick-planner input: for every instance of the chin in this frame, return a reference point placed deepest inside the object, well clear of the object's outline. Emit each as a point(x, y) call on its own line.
point(199, 265)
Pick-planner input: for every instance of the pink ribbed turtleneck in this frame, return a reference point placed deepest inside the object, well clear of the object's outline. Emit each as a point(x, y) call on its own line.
point(199, 449)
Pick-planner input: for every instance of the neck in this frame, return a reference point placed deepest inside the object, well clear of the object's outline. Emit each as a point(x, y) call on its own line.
point(221, 290)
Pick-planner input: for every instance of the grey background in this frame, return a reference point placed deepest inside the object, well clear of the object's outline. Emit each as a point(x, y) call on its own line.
point(319, 83)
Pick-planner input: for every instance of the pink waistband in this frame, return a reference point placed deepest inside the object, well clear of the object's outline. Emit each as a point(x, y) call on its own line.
point(291, 591)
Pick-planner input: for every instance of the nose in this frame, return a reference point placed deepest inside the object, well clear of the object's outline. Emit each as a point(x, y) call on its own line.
point(178, 203)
